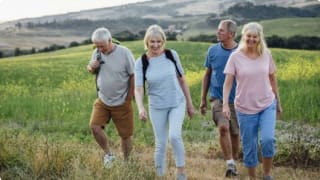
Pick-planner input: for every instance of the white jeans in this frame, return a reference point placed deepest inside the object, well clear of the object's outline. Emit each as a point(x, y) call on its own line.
point(161, 119)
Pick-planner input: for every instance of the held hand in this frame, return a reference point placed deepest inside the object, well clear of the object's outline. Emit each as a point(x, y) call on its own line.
point(143, 115)
point(92, 67)
point(95, 64)
point(190, 111)
point(203, 108)
point(226, 111)
point(279, 111)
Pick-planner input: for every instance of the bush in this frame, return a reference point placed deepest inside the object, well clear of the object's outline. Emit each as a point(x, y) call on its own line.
point(204, 38)
point(299, 146)
point(74, 44)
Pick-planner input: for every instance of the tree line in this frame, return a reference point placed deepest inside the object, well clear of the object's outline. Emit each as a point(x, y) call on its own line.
point(247, 11)
point(274, 41)
point(53, 47)
point(125, 35)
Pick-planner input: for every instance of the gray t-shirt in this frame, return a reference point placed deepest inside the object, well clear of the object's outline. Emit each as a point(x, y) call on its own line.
point(164, 89)
point(113, 78)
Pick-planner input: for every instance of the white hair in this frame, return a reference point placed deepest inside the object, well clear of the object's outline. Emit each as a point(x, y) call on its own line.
point(101, 35)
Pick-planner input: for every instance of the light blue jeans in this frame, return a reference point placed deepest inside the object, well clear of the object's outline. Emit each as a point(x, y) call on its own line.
point(250, 124)
point(166, 122)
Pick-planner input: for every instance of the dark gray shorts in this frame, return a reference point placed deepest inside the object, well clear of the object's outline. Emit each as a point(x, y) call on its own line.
point(219, 118)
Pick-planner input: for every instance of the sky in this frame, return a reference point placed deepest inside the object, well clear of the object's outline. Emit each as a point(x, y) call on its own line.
point(18, 9)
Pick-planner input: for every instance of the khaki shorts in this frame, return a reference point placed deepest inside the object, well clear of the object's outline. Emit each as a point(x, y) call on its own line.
point(219, 118)
point(122, 117)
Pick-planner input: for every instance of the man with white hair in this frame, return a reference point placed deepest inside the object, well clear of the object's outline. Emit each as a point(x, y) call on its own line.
point(114, 68)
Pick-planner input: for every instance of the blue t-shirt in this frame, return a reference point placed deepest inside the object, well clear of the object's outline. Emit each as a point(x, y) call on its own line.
point(216, 60)
point(164, 90)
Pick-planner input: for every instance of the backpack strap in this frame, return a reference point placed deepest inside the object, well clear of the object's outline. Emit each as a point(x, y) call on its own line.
point(169, 56)
point(98, 69)
point(145, 64)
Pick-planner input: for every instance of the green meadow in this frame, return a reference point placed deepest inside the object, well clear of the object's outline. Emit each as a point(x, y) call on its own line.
point(46, 101)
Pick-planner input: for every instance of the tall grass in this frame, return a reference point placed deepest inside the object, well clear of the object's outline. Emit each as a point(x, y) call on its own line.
point(299, 83)
point(34, 156)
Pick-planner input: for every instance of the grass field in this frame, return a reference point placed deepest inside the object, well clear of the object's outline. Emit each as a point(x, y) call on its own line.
point(46, 101)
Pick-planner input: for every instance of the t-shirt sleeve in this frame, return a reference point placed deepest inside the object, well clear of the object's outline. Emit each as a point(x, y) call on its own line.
point(272, 66)
point(230, 66)
point(206, 61)
point(130, 64)
point(138, 73)
point(178, 62)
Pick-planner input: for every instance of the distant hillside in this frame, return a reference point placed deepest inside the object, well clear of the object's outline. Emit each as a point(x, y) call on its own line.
point(184, 17)
point(165, 9)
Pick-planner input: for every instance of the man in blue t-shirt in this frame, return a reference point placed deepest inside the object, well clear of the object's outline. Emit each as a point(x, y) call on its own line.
point(215, 62)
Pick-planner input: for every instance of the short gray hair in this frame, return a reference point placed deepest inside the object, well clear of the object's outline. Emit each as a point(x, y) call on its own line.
point(101, 35)
point(231, 26)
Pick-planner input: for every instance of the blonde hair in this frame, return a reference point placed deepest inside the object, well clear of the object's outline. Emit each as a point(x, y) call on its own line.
point(154, 31)
point(254, 28)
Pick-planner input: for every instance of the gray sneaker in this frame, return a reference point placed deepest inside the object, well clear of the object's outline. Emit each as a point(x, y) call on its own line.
point(181, 176)
point(267, 178)
point(108, 160)
point(231, 170)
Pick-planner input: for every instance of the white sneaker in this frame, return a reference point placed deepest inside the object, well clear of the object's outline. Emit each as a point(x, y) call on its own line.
point(231, 170)
point(181, 176)
point(108, 160)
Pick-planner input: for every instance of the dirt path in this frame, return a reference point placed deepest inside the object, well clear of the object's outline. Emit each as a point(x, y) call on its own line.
point(204, 164)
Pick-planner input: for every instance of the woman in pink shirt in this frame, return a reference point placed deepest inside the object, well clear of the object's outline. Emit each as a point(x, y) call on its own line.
point(257, 97)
